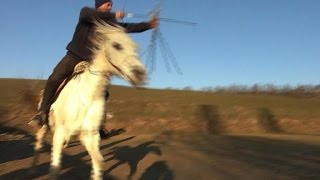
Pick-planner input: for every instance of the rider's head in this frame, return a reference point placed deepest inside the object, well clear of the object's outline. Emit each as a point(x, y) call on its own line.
point(103, 5)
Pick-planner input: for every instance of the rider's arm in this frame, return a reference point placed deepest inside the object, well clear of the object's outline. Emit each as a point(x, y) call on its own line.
point(140, 27)
point(88, 14)
point(135, 27)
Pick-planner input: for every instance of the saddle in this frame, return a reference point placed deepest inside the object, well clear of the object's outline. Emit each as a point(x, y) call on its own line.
point(78, 69)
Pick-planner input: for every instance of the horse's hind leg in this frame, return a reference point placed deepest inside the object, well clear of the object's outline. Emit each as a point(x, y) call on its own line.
point(91, 142)
point(57, 146)
point(40, 136)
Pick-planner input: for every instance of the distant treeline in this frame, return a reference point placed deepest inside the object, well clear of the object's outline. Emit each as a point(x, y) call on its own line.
point(299, 90)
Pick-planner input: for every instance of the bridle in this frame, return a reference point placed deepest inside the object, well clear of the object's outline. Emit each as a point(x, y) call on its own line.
point(103, 74)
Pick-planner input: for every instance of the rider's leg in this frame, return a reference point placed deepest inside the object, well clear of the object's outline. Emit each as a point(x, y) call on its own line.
point(63, 70)
point(108, 115)
point(106, 95)
point(104, 133)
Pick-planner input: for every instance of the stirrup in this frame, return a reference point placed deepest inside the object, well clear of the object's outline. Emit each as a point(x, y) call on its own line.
point(38, 120)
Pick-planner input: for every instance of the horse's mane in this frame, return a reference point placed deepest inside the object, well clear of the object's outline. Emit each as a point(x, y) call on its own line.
point(105, 32)
point(106, 29)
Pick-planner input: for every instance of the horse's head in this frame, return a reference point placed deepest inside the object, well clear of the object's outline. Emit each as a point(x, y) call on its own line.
point(117, 52)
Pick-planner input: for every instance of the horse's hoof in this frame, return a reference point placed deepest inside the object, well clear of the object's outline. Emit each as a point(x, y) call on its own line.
point(54, 173)
point(32, 171)
point(104, 134)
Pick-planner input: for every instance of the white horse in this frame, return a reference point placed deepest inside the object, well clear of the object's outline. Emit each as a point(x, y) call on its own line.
point(80, 107)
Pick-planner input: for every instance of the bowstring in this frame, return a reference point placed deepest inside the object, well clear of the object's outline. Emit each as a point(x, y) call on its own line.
point(124, 6)
point(151, 58)
point(151, 51)
point(166, 52)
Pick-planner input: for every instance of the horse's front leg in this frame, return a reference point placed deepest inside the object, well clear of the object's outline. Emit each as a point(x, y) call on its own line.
point(91, 141)
point(57, 146)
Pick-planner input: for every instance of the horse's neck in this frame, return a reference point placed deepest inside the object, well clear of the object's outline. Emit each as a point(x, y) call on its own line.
point(96, 78)
point(98, 63)
point(94, 82)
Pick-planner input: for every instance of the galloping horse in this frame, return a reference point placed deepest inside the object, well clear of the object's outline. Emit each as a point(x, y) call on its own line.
point(80, 107)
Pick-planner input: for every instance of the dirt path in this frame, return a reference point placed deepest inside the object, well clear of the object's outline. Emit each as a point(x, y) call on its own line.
point(171, 156)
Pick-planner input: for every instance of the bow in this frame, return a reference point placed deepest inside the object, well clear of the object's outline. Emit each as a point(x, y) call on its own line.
point(157, 38)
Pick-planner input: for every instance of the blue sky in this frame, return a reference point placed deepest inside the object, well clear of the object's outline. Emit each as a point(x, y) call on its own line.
point(235, 42)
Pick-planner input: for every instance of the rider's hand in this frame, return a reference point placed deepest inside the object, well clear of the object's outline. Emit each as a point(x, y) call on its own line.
point(119, 14)
point(154, 22)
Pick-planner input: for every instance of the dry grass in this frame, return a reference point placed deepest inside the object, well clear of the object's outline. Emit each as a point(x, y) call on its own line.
point(19, 100)
point(165, 111)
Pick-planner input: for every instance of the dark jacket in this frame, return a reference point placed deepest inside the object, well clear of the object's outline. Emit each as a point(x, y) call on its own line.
point(81, 43)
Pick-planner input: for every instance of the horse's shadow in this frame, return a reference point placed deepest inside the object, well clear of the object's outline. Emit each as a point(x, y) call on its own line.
point(114, 132)
point(13, 140)
point(131, 156)
point(17, 144)
point(73, 167)
point(80, 169)
point(158, 170)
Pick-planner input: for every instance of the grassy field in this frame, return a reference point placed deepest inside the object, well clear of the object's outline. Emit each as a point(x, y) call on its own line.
point(190, 111)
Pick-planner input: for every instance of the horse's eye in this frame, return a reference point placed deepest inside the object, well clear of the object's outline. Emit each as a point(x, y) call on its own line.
point(117, 46)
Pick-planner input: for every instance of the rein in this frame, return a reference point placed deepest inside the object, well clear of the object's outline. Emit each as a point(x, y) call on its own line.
point(97, 73)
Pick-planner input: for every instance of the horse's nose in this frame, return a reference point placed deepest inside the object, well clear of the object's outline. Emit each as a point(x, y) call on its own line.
point(139, 73)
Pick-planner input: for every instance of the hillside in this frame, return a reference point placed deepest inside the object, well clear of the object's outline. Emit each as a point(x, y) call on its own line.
point(171, 134)
point(186, 111)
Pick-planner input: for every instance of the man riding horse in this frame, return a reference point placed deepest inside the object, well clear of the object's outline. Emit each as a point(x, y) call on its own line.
point(80, 49)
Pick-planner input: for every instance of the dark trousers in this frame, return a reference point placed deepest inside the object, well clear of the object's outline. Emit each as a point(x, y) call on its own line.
point(63, 70)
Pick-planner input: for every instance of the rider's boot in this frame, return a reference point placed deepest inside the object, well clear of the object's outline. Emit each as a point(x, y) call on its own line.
point(38, 120)
point(104, 133)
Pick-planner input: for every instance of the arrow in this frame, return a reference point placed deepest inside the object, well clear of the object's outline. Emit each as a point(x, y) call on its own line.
point(130, 15)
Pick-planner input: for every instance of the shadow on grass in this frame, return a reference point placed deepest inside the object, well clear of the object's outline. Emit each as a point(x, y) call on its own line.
point(268, 121)
point(243, 157)
point(210, 114)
